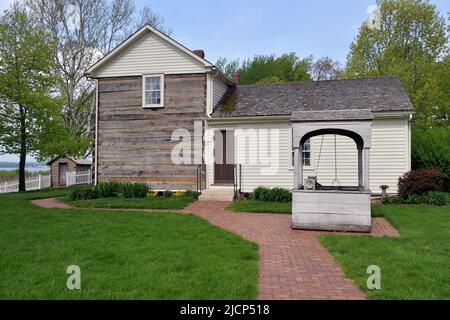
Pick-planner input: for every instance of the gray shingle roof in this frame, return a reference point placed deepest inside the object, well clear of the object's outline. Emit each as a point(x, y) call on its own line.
point(335, 115)
point(381, 94)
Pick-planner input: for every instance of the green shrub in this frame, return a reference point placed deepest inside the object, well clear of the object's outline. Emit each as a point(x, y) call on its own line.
point(419, 182)
point(432, 197)
point(431, 149)
point(435, 198)
point(167, 194)
point(260, 193)
point(276, 194)
point(108, 189)
point(133, 190)
point(391, 200)
point(83, 193)
point(192, 194)
point(413, 199)
point(280, 195)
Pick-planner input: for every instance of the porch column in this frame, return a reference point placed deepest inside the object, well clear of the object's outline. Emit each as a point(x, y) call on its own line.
point(298, 168)
point(360, 169)
point(367, 169)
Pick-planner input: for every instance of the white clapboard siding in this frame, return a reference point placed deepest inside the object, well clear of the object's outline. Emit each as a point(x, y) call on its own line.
point(219, 89)
point(390, 153)
point(389, 156)
point(149, 54)
point(279, 172)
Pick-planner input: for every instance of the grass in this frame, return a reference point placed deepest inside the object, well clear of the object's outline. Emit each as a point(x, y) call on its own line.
point(260, 206)
point(172, 203)
point(413, 266)
point(122, 255)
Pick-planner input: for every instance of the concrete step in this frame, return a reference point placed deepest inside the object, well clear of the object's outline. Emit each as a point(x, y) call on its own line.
point(215, 198)
point(217, 193)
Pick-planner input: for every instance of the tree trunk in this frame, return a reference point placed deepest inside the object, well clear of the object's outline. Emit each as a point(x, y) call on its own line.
point(23, 149)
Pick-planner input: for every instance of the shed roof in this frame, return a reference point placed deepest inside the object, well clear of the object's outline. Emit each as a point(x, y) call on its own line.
point(77, 161)
point(379, 94)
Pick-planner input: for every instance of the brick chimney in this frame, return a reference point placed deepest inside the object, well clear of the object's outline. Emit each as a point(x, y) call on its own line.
point(200, 53)
point(236, 77)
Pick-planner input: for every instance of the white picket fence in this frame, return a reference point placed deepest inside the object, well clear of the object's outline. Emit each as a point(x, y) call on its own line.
point(78, 177)
point(31, 183)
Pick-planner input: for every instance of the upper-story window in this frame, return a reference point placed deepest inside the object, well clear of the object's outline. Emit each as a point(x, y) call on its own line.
point(153, 91)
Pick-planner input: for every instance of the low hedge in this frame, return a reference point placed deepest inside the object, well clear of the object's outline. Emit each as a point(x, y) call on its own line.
point(276, 194)
point(110, 190)
point(432, 197)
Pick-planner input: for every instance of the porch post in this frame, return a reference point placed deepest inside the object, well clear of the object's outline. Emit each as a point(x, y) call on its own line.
point(297, 170)
point(367, 169)
point(360, 169)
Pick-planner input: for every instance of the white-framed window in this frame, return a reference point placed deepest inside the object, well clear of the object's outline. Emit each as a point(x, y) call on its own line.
point(153, 91)
point(306, 154)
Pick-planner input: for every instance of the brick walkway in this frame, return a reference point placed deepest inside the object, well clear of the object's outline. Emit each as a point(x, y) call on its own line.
point(293, 264)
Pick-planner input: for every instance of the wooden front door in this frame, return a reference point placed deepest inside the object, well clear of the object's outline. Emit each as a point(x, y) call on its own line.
point(62, 174)
point(224, 157)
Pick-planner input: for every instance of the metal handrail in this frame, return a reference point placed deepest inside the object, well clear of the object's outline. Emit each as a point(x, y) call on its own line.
point(199, 177)
point(237, 188)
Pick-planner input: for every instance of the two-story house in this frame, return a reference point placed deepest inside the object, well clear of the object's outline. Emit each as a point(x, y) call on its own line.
point(162, 110)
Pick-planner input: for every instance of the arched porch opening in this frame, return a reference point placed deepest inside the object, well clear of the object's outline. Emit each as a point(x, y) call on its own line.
point(335, 183)
point(332, 207)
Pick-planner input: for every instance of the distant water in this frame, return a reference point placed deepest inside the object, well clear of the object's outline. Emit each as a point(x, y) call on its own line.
point(34, 166)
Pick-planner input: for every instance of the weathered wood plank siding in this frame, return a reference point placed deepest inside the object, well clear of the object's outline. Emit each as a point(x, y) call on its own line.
point(134, 144)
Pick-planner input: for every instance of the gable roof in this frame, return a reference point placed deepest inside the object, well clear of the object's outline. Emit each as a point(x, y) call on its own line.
point(380, 94)
point(77, 161)
point(134, 36)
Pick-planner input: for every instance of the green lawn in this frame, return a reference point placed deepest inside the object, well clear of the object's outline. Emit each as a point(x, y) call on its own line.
point(260, 206)
point(172, 203)
point(414, 266)
point(122, 255)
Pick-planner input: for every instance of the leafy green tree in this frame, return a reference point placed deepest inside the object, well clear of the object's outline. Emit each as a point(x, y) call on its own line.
point(268, 68)
point(29, 117)
point(406, 38)
point(85, 30)
point(431, 149)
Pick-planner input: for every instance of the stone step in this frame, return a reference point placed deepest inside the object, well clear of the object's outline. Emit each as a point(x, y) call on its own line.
point(217, 193)
point(215, 198)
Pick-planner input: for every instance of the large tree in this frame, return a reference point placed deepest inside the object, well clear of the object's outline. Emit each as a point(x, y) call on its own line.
point(407, 38)
point(85, 30)
point(28, 108)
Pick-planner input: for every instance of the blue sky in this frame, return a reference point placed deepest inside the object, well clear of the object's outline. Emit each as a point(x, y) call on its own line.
point(241, 29)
